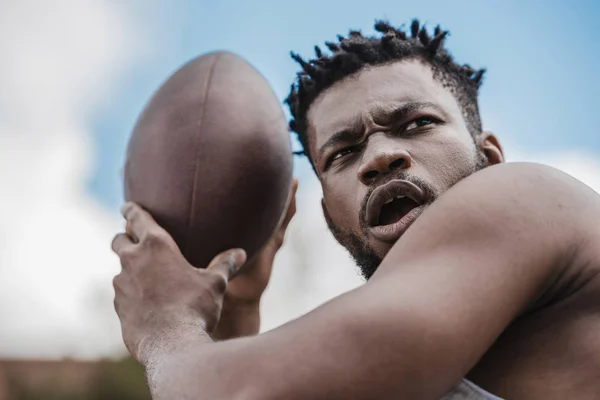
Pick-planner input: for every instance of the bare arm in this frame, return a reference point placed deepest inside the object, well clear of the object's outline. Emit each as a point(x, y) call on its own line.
point(480, 256)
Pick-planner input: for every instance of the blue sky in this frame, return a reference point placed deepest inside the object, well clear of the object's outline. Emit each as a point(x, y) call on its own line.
point(540, 93)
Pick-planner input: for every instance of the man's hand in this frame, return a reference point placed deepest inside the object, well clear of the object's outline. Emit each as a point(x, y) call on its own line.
point(241, 315)
point(158, 293)
point(250, 283)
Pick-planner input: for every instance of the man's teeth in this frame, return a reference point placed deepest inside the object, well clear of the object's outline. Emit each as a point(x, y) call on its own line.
point(393, 198)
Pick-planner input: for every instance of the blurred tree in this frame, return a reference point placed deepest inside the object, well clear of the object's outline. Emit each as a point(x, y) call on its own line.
point(112, 380)
point(123, 379)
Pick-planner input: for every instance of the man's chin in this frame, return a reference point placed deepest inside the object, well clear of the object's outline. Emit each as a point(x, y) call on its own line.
point(370, 256)
point(365, 257)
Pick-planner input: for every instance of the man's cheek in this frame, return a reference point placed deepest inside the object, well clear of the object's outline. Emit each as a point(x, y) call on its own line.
point(451, 166)
point(338, 205)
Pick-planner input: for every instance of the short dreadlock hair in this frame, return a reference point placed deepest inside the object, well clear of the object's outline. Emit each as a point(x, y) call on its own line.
point(355, 52)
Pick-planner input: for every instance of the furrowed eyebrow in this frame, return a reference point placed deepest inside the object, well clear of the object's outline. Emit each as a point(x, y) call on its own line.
point(385, 117)
point(337, 139)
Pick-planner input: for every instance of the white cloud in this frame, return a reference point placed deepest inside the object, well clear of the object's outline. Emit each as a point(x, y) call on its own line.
point(58, 61)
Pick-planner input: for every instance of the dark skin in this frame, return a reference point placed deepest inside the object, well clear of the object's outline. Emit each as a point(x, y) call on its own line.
point(412, 129)
point(495, 280)
point(241, 304)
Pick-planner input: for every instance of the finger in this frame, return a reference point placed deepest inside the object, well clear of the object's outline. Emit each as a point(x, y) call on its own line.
point(286, 217)
point(129, 232)
point(140, 221)
point(291, 208)
point(294, 187)
point(121, 282)
point(227, 263)
point(121, 242)
point(118, 294)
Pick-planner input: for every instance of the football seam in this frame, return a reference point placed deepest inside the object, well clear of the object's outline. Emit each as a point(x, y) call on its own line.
point(195, 183)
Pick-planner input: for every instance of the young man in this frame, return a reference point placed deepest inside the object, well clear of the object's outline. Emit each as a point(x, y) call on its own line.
point(480, 274)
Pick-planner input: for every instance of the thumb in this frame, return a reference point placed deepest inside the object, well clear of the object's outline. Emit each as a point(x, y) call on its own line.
point(227, 263)
point(289, 212)
point(291, 205)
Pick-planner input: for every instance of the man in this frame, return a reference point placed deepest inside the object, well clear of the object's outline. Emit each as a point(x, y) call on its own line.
point(480, 274)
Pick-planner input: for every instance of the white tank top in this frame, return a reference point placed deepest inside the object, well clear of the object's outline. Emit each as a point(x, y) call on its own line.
point(467, 390)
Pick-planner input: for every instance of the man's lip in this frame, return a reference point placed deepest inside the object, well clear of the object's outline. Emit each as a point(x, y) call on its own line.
point(392, 232)
point(389, 191)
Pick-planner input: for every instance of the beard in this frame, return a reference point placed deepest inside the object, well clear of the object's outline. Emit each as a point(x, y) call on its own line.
point(363, 254)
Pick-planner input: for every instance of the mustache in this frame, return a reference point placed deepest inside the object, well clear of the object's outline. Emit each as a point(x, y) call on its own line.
point(430, 193)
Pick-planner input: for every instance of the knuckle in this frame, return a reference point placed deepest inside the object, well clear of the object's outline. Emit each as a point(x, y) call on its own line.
point(134, 214)
point(116, 306)
point(113, 244)
point(218, 283)
point(127, 256)
point(118, 242)
point(116, 283)
point(156, 238)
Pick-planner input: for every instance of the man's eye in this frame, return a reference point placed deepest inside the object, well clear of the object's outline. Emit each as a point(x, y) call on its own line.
point(420, 122)
point(339, 154)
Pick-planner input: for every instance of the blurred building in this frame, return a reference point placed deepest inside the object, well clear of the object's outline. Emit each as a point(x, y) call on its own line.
point(72, 380)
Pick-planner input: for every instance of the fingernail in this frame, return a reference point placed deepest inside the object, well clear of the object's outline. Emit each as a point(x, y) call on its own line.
point(237, 258)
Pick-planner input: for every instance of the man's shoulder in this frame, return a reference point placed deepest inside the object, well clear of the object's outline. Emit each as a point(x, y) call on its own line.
point(536, 192)
point(541, 173)
point(525, 206)
point(518, 208)
point(528, 225)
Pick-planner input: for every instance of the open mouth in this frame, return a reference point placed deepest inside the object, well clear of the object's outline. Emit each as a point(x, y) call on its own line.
point(393, 211)
point(393, 207)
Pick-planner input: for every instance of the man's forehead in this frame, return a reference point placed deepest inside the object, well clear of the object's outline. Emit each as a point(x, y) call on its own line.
point(374, 90)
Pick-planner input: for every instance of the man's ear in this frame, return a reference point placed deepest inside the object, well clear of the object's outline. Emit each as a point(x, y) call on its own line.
point(488, 143)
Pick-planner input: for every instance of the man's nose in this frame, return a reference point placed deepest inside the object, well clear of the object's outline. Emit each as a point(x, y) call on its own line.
point(382, 156)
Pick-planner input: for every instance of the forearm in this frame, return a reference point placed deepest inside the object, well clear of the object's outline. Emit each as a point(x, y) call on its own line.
point(412, 334)
point(177, 364)
point(342, 350)
point(186, 364)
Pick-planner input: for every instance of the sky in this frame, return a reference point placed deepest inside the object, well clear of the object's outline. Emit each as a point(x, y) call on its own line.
point(75, 75)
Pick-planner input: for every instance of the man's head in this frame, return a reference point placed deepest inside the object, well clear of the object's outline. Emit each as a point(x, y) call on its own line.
point(388, 123)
